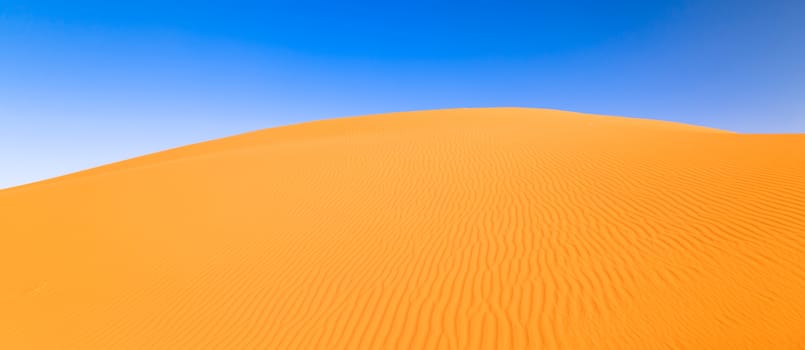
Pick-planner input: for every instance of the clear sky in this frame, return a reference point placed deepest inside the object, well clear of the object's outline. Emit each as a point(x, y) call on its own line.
point(83, 83)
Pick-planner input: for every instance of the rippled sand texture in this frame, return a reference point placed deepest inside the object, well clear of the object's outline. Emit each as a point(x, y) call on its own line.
point(454, 229)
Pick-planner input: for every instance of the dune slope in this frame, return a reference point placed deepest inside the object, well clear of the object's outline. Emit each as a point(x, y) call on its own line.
point(456, 229)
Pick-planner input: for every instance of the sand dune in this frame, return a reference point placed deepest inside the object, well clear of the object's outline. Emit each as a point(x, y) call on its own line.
point(456, 229)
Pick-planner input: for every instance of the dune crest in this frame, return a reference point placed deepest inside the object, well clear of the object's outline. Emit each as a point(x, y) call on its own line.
point(456, 229)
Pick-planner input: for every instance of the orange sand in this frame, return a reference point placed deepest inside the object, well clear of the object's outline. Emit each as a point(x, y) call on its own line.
point(456, 229)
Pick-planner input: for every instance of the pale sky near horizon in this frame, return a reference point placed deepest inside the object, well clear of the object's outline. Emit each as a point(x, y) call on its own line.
point(85, 83)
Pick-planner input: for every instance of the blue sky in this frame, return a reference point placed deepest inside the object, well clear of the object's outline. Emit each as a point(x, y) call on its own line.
point(84, 83)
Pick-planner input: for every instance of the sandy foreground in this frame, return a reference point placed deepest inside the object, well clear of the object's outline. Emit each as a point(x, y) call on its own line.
point(456, 229)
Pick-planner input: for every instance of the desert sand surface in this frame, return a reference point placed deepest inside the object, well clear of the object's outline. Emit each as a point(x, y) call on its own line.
point(502, 228)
